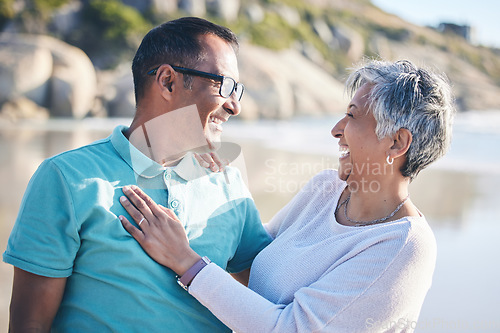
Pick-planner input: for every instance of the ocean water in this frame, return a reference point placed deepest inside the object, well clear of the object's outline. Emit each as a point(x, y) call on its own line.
point(458, 194)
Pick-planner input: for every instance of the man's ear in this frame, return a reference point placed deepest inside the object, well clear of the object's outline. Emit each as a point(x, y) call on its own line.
point(165, 80)
point(401, 143)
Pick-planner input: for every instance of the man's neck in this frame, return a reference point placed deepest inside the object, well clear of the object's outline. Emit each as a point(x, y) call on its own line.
point(138, 137)
point(171, 161)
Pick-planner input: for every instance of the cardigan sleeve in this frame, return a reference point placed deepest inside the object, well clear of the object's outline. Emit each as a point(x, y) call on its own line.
point(366, 293)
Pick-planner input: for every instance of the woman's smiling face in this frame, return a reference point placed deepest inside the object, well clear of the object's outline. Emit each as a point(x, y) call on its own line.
point(360, 149)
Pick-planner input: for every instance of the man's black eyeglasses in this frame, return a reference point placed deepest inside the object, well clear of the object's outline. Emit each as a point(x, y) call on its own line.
point(227, 87)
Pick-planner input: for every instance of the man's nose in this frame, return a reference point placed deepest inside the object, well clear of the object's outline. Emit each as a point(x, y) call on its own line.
point(232, 105)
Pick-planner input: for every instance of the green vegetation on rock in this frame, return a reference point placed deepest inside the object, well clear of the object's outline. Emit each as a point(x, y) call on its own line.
point(120, 29)
point(118, 23)
point(6, 11)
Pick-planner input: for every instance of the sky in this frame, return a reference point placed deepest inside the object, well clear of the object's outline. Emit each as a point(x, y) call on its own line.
point(482, 15)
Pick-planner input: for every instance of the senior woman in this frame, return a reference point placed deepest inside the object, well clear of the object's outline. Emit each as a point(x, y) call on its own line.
point(351, 252)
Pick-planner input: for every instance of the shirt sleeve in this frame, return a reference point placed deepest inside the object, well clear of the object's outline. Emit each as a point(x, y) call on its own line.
point(253, 239)
point(366, 293)
point(45, 237)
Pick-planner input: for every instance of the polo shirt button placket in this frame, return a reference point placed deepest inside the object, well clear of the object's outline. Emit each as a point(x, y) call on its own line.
point(174, 204)
point(167, 176)
point(176, 207)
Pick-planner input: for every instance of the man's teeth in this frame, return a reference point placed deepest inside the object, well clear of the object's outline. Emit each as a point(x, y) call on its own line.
point(344, 151)
point(215, 120)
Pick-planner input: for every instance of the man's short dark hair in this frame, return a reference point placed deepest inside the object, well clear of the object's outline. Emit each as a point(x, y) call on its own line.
point(175, 42)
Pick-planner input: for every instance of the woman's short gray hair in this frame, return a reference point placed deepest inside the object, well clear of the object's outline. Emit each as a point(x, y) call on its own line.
point(405, 96)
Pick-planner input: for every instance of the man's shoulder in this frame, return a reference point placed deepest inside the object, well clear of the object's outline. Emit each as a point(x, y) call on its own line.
point(233, 181)
point(93, 147)
point(232, 175)
point(234, 172)
point(100, 151)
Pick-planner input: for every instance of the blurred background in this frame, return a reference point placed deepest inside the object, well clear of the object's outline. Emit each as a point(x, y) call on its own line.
point(65, 81)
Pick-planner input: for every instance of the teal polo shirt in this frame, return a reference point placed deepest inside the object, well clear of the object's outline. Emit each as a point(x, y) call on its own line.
point(68, 227)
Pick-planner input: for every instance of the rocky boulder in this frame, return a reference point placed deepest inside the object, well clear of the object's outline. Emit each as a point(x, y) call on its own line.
point(47, 71)
point(25, 70)
point(225, 9)
point(23, 108)
point(284, 84)
point(116, 91)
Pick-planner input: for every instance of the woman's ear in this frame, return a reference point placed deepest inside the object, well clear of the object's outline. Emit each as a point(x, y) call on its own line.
point(401, 143)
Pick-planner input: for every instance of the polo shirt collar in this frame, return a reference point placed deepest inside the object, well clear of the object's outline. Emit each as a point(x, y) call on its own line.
point(188, 168)
point(140, 163)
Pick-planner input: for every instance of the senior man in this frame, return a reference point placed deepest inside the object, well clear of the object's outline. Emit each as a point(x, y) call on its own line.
point(76, 268)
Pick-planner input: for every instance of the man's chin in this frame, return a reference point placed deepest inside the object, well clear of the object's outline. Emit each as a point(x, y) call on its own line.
point(214, 142)
point(212, 145)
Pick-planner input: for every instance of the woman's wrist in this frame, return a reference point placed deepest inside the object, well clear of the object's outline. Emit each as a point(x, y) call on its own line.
point(186, 263)
point(185, 280)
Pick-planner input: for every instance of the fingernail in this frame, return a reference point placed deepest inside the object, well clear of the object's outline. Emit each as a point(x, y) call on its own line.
point(126, 189)
point(123, 199)
point(120, 218)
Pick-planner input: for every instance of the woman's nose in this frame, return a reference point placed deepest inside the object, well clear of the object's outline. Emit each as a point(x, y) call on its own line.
point(338, 129)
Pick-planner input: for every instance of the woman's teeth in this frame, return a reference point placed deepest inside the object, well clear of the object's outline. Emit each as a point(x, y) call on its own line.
point(344, 151)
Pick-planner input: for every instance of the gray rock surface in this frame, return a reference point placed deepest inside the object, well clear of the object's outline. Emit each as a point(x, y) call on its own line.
point(285, 84)
point(25, 70)
point(47, 71)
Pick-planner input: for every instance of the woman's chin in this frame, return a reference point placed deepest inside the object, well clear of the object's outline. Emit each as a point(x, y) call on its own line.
point(344, 175)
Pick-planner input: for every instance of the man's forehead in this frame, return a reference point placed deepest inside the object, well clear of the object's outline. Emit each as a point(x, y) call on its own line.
point(215, 44)
point(219, 55)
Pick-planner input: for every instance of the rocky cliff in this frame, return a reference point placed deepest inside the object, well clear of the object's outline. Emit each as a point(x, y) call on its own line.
point(293, 57)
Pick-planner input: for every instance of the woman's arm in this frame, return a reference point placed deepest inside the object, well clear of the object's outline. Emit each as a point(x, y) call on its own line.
point(368, 289)
point(380, 289)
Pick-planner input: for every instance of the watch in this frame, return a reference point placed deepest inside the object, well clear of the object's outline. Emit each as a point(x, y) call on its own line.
point(185, 280)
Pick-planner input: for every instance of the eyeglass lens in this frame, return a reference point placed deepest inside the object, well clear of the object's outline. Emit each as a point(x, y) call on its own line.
point(228, 86)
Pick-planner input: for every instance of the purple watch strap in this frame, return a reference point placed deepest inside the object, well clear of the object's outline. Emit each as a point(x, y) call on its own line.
point(185, 280)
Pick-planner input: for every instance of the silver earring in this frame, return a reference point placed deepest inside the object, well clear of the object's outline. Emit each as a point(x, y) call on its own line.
point(389, 161)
